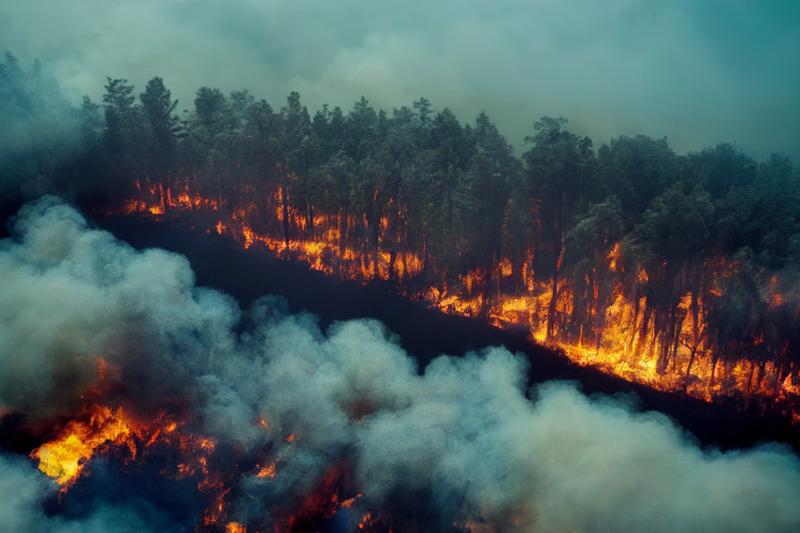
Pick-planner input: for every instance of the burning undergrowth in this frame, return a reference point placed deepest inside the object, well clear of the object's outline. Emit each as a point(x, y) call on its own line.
point(152, 404)
point(625, 334)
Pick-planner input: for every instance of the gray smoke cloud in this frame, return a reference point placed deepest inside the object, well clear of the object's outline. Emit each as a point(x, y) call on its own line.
point(71, 295)
point(40, 130)
point(463, 431)
point(696, 72)
point(25, 491)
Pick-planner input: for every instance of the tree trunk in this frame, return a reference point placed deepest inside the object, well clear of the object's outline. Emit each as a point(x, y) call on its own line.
point(309, 222)
point(343, 216)
point(285, 213)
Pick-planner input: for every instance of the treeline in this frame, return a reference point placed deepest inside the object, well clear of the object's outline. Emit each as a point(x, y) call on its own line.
point(703, 248)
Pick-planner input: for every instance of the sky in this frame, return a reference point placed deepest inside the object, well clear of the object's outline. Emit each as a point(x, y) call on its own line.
point(695, 71)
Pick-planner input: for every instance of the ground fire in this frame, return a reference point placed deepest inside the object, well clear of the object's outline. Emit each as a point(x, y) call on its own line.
point(101, 430)
point(620, 334)
point(148, 403)
point(561, 295)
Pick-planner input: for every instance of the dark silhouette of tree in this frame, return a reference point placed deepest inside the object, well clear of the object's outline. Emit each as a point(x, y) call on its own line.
point(705, 246)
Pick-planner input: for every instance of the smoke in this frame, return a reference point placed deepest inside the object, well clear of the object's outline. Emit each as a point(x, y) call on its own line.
point(696, 72)
point(460, 442)
point(40, 130)
point(26, 493)
point(72, 295)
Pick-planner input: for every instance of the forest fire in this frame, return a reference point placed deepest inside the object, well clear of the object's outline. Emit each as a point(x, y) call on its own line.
point(226, 313)
point(65, 457)
point(202, 416)
point(619, 335)
point(101, 430)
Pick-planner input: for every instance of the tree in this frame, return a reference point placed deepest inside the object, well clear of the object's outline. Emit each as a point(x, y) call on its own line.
point(591, 242)
point(295, 149)
point(636, 170)
point(671, 244)
point(122, 138)
point(158, 107)
point(559, 165)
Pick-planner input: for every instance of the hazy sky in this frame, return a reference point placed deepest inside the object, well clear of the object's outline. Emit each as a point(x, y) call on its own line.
point(696, 71)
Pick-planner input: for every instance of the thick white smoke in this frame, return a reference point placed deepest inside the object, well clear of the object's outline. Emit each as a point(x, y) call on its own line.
point(71, 295)
point(463, 432)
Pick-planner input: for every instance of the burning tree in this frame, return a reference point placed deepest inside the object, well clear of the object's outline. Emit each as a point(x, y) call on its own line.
point(674, 270)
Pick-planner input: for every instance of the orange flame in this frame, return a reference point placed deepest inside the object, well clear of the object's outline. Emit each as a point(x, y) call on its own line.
point(65, 457)
point(620, 338)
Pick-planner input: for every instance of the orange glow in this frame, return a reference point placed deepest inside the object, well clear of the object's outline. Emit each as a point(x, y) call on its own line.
point(365, 521)
point(235, 527)
point(268, 471)
point(65, 457)
point(618, 335)
point(102, 429)
point(350, 501)
point(322, 502)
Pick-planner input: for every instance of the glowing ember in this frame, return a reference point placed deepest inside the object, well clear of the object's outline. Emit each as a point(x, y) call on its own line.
point(365, 521)
point(235, 527)
point(268, 471)
point(350, 501)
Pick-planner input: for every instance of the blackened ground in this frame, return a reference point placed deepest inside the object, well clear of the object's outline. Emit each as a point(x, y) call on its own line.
point(221, 263)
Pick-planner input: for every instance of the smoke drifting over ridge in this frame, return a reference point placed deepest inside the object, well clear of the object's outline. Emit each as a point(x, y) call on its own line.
point(458, 441)
point(696, 72)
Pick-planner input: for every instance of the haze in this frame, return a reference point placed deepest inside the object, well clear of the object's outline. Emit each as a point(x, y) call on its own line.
point(696, 72)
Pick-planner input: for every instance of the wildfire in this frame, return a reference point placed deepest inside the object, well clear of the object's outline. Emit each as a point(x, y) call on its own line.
point(366, 521)
point(323, 501)
point(622, 338)
point(268, 471)
point(65, 457)
point(102, 429)
point(161, 198)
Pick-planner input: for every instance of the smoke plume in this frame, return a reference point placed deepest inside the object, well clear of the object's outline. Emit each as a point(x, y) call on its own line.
point(460, 442)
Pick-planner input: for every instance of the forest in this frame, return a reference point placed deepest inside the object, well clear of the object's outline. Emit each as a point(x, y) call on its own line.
point(679, 270)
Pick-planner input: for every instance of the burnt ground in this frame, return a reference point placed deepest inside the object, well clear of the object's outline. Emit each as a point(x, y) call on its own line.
point(219, 262)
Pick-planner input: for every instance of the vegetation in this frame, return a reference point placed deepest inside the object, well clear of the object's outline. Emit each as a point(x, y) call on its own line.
point(704, 248)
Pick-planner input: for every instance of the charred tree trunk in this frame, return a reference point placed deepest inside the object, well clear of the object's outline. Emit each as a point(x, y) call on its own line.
point(285, 212)
point(558, 253)
point(309, 221)
point(486, 288)
point(394, 226)
point(343, 217)
point(599, 319)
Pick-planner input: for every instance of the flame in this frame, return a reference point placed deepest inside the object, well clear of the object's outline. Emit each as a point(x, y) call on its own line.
point(322, 502)
point(366, 521)
point(619, 335)
point(268, 471)
point(346, 504)
point(100, 428)
point(65, 457)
